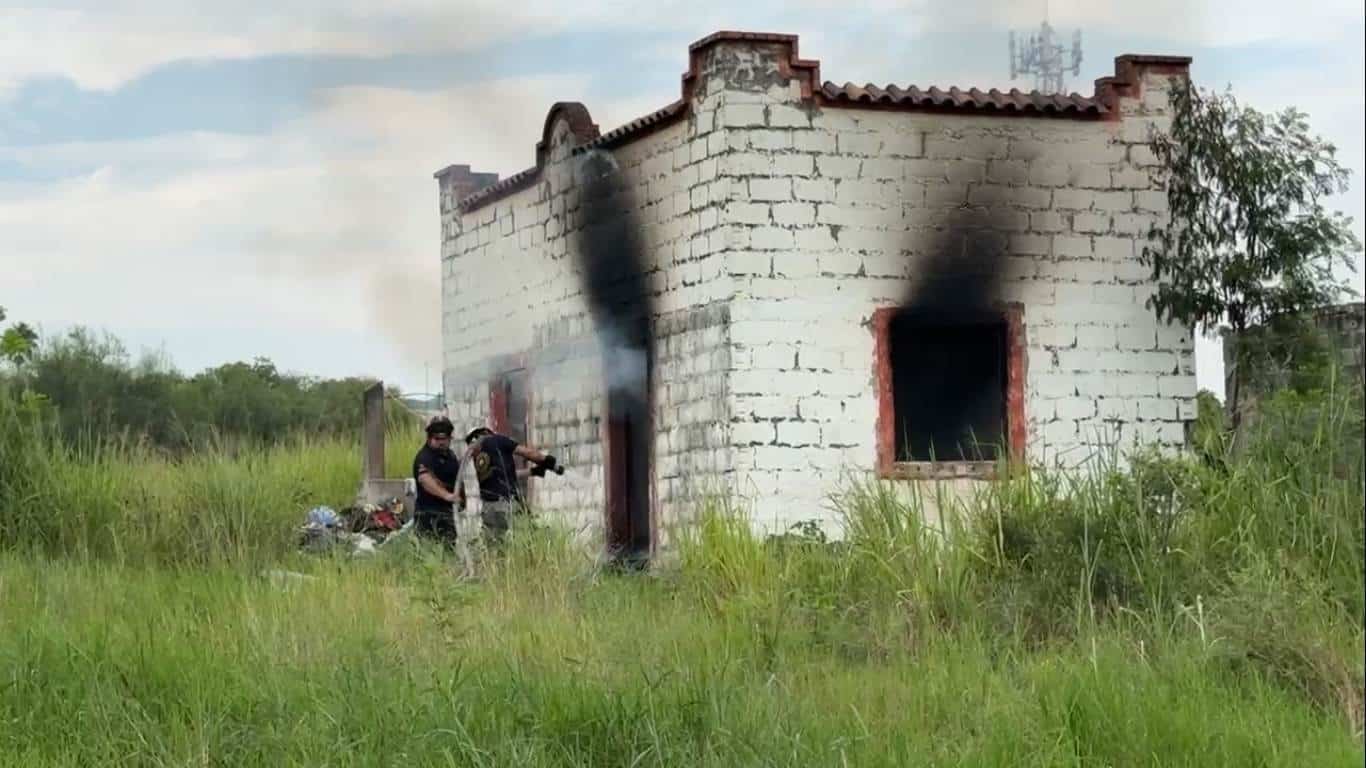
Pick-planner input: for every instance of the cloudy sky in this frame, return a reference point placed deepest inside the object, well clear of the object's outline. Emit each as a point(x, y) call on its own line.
point(218, 181)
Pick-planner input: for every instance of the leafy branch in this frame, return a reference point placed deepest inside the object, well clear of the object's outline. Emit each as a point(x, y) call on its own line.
point(1249, 238)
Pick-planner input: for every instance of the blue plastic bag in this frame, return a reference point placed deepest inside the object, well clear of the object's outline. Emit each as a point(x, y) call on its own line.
point(324, 516)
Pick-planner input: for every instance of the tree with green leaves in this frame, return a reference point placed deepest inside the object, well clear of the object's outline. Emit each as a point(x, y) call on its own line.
point(17, 342)
point(92, 388)
point(1249, 238)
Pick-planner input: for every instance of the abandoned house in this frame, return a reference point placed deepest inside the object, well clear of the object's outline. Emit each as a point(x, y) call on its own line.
point(775, 281)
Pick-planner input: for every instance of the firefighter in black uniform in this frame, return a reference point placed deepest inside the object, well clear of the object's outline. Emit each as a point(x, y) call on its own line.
point(436, 470)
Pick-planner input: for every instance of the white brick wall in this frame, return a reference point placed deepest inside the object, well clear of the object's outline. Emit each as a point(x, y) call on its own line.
point(1068, 201)
point(774, 230)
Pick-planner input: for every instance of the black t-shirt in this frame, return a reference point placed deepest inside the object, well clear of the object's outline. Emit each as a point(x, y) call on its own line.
point(445, 467)
point(496, 468)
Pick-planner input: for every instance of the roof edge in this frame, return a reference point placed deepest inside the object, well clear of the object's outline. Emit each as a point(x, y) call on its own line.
point(735, 35)
point(1154, 60)
point(954, 99)
point(1126, 82)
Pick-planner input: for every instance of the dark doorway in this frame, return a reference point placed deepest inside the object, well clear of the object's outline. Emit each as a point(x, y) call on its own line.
point(629, 438)
point(510, 409)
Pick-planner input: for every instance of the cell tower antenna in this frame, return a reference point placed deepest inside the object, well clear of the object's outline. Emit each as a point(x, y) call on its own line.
point(1037, 54)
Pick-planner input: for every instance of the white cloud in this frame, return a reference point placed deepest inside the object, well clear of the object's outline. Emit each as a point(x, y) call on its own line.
point(324, 229)
point(103, 43)
point(1332, 96)
point(1206, 22)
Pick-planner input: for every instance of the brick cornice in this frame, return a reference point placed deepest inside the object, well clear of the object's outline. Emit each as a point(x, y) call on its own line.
point(1127, 81)
point(806, 71)
point(576, 117)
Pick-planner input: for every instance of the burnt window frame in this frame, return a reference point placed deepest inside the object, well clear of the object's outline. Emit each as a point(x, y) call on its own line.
point(888, 467)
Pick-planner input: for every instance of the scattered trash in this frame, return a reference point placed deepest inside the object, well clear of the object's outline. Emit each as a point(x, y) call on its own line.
point(377, 520)
point(361, 527)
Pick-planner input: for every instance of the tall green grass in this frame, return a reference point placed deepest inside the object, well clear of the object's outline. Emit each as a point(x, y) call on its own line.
point(1177, 611)
point(550, 662)
point(228, 501)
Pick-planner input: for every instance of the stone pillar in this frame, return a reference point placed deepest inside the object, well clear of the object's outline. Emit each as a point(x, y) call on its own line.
point(372, 433)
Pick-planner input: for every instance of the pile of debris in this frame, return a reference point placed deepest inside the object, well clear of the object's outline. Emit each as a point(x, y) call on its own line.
point(361, 527)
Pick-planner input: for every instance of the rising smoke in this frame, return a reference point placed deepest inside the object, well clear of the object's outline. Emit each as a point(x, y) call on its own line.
point(613, 269)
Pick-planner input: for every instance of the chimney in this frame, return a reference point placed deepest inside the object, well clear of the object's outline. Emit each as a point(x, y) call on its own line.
point(457, 182)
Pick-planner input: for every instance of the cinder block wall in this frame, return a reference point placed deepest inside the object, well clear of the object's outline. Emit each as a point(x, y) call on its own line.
point(776, 222)
point(831, 213)
point(1344, 331)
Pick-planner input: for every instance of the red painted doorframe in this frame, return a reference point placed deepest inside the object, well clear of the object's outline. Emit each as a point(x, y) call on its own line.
point(500, 395)
point(629, 488)
point(498, 405)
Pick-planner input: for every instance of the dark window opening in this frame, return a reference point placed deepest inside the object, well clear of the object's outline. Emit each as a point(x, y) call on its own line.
point(949, 386)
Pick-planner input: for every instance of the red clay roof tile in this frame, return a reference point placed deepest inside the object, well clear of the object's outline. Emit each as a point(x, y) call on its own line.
point(956, 98)
point(655, 119)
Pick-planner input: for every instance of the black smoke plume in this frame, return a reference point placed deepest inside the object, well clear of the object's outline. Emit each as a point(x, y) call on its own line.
point(616, 285)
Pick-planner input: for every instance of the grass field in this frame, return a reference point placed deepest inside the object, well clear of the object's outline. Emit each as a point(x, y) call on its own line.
point(1181, 613)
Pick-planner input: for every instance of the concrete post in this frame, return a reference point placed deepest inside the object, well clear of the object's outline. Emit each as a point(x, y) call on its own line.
point(372, 433)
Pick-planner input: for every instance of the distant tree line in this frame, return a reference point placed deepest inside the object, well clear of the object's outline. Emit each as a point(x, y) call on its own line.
point(93, 389)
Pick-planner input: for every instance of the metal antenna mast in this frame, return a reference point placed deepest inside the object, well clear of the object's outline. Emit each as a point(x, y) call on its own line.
point(1040, 56)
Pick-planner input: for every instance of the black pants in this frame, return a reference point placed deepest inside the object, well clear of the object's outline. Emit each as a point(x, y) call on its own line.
point(437, 524)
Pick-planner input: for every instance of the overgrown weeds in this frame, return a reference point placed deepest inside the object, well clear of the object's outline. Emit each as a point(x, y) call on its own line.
point(228, 501)
point(1187, 609)
point(1257, 558)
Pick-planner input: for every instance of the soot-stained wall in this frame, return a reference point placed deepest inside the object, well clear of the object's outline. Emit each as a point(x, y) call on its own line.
point(774, 218)
point(595, 263)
